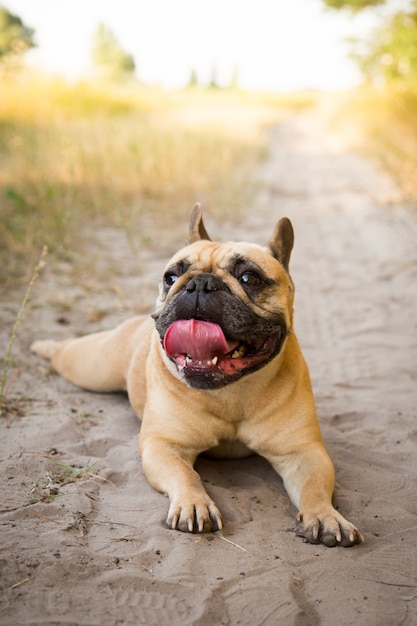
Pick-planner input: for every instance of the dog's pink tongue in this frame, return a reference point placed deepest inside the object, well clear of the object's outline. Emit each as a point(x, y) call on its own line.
point(202, 341)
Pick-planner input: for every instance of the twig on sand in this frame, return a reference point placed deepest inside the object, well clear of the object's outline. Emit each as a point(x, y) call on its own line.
point(47, 519)
point(232, 542)
point(147, 569)
point(21, 582)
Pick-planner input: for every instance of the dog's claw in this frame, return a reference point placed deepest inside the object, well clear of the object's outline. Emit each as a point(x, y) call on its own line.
point(315, 532)
point(195, 518)
point(217, 519)
point(330, 529)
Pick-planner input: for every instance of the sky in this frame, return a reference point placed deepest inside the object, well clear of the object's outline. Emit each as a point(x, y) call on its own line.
point(279, 45)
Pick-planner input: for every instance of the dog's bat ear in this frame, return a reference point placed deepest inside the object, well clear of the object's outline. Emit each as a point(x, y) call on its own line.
point(197, 230)
point(282, 241)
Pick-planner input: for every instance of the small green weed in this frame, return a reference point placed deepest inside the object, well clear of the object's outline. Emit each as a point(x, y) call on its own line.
point(50, 486)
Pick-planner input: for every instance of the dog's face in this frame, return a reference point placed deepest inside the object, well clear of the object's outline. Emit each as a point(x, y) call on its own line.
point(225, 310)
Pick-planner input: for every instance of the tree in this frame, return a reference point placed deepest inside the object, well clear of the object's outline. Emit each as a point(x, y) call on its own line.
point(354, 5)
point(15, 37)
point(234, 79)
point(193, 81)
point(213, 83)
point(390, 54)
point(109, 57)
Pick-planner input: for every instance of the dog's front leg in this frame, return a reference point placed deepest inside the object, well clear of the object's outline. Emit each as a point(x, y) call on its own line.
point(308, 477)
point(169, 469)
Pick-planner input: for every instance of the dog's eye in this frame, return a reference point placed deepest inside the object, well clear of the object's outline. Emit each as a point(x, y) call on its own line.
point(169, 279)
point(250, 279)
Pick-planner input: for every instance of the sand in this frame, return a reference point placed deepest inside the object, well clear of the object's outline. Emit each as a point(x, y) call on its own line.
point(88, 546)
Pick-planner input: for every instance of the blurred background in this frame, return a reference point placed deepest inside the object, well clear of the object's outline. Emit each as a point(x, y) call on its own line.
point(126, 114)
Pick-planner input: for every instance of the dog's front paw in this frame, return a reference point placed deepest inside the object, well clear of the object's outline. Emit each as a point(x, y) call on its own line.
point(330, 528)
point(196, 515)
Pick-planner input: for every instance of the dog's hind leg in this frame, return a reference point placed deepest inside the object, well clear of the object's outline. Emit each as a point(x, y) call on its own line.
point(97, 362)
point(87, 362)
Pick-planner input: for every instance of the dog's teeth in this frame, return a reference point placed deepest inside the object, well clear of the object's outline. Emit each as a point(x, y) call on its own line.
point(239, 352)
point(214, 360)
point(188, 359)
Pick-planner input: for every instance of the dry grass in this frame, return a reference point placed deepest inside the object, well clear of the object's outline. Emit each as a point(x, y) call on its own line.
point(70, 154)
point(5, 405)
point(383, 123)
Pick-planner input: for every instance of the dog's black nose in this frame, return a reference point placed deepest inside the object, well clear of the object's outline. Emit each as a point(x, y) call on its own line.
point(205, 283)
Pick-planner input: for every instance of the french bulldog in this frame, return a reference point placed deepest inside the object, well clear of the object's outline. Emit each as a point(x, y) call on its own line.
point(217, 369)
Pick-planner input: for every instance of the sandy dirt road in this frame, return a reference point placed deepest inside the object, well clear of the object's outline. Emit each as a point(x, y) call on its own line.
point(89, 546)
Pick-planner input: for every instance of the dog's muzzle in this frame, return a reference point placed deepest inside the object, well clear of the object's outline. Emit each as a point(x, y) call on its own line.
point(209, 360)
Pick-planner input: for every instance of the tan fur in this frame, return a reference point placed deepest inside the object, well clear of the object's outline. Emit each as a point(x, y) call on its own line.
point(270, 411)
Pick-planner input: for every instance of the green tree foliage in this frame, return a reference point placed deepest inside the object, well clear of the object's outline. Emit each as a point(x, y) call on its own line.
point(390, 54)
point(354, 5)
point(109, 57)
point(15, 37)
